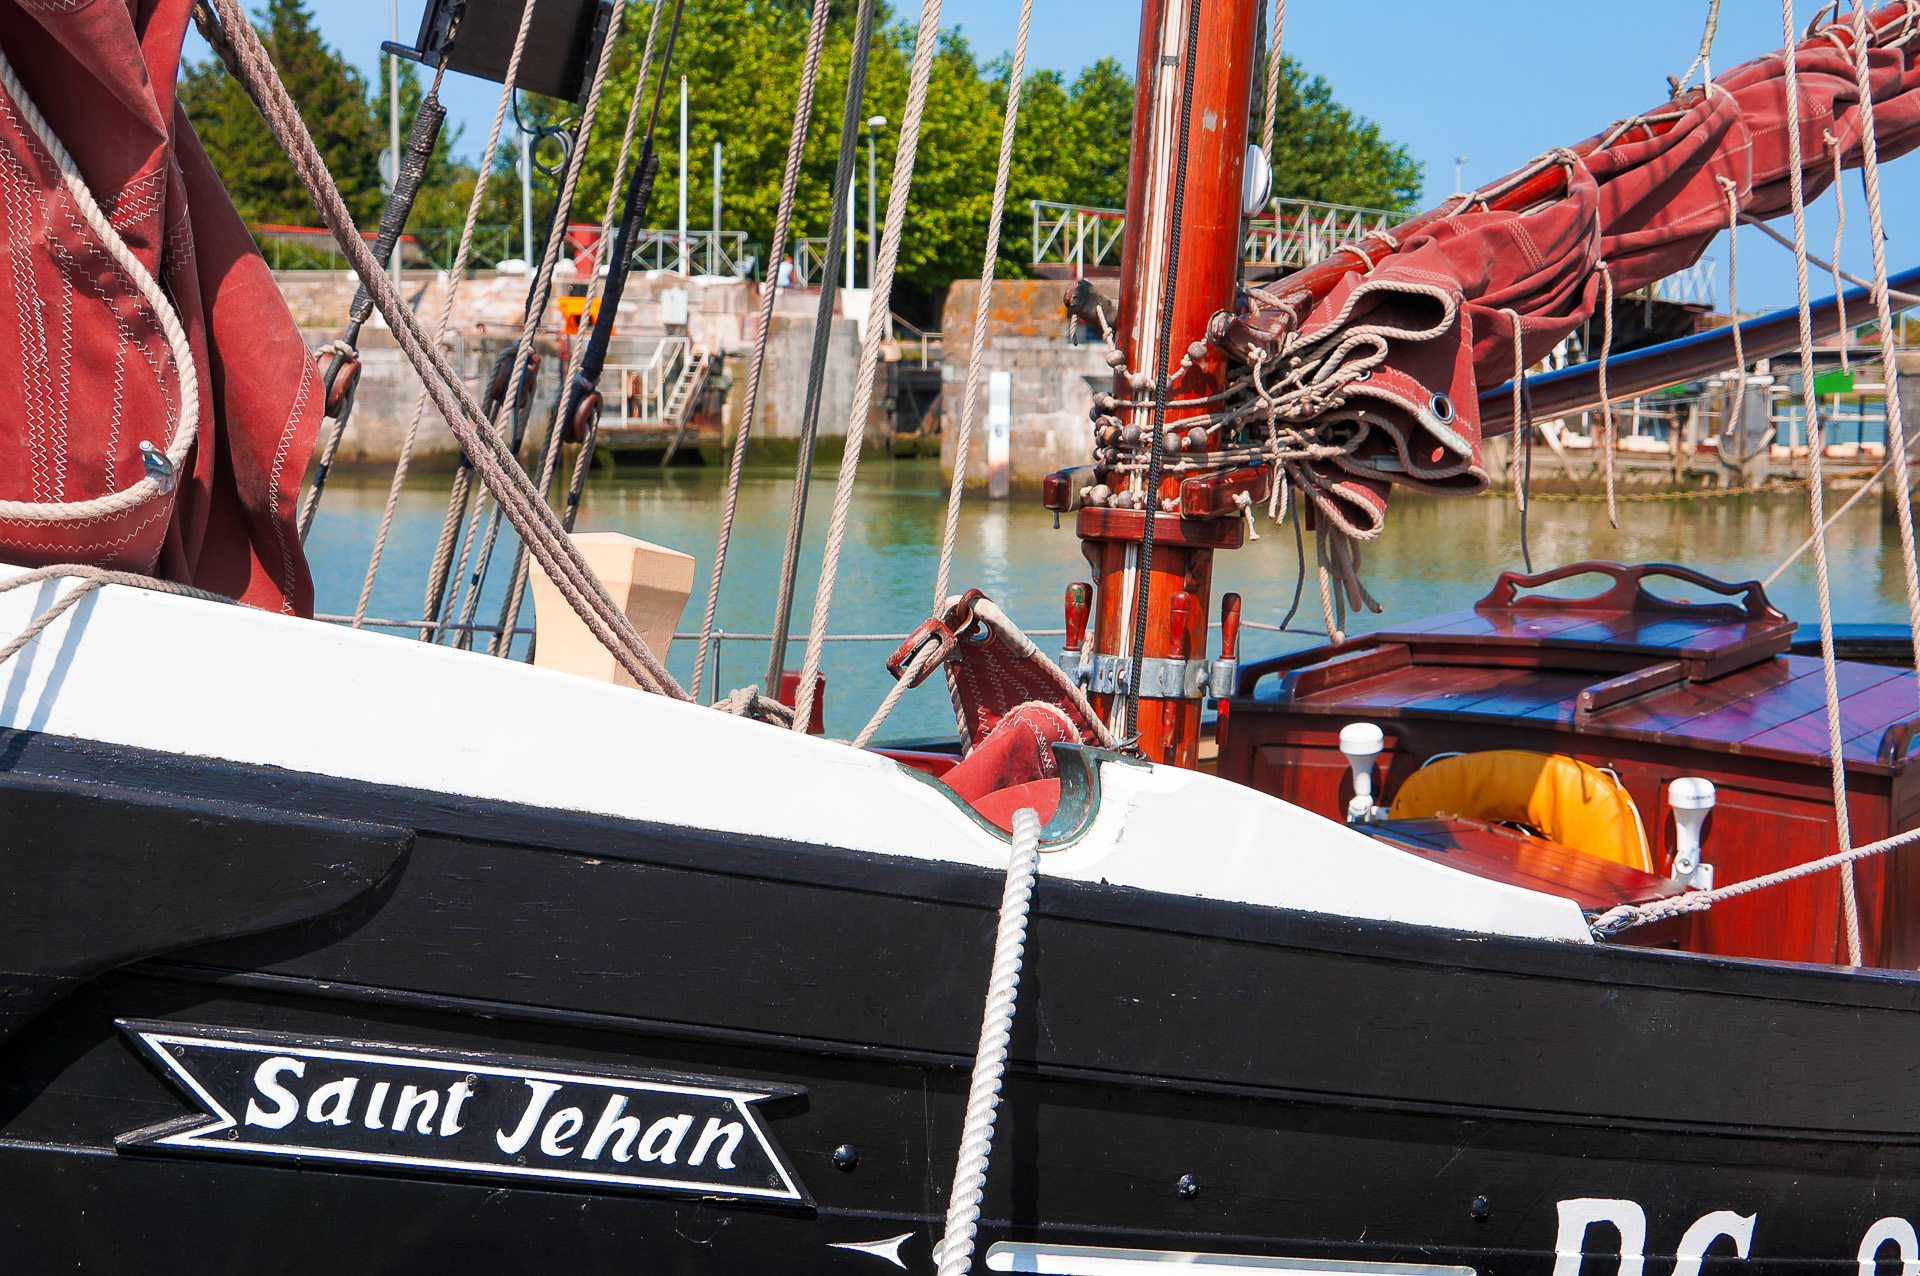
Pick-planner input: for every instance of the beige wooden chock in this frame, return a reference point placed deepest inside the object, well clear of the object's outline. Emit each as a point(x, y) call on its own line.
point(649, 582)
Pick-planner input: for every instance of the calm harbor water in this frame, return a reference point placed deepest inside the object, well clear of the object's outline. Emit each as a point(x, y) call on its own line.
point(1437, 554)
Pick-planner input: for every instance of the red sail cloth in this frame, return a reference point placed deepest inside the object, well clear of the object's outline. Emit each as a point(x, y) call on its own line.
point(86, 373)
point(1429, 320)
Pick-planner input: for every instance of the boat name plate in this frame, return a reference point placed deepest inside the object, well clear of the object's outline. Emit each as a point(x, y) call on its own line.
point(440, 1113)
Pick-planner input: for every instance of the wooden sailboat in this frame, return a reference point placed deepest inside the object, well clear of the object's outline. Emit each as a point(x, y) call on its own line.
point(659, 987)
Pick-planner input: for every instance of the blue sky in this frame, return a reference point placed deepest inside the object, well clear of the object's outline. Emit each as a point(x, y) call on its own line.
point(1498, 81)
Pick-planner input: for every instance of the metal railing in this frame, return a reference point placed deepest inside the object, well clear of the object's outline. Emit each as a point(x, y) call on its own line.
point(1298, 232)
point(725, 252)
point(1080, 236)
point(642, 389)
point(431, 248)
point(1693, 286)
point(910, 338)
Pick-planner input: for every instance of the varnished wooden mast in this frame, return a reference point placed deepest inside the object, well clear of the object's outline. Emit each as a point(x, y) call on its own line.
point(1210, 217)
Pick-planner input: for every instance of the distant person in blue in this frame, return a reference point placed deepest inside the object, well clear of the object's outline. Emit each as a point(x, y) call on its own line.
point(784, 278)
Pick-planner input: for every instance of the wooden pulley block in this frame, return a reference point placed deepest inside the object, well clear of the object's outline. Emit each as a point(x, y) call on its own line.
point(340, 374)
point(576, 428)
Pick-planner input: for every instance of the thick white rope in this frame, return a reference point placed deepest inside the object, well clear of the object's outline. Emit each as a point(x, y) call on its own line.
point(1890, 373)
point(1273, 78)
point(455, 278)
point(1816, 490)
point(925, 46)
point(769, 293)
point(982, 307)
point(187, 424)
point(990, 1059)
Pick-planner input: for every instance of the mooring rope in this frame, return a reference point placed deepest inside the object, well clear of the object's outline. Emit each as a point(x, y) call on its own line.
point(990, 1056)
point(1273, 79)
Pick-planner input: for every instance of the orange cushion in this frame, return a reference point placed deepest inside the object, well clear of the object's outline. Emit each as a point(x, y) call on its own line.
point(1569, 802)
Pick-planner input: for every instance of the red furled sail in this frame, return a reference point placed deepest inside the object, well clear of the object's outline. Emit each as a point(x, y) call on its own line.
point(157, 404)
point(1396, 337)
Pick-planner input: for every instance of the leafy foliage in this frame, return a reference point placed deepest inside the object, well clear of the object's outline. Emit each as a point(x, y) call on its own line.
point(742, 61)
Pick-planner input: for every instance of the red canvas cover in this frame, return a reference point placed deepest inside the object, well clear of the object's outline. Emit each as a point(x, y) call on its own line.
point(86, 373)
point(1427, 319)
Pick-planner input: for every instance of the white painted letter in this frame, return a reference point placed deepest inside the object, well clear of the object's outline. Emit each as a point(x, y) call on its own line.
point(610, 1123)
point(564, 1124)
point(411, 1098)
point(374, 1104)
point(713, 1132)
point(457, 1093)
point(331, 1101)
point(1576, 1216)
point(1900, 1232)
point(1705, 1231)
point(537, 1104)
point(266, 1079)
point(674, 1129)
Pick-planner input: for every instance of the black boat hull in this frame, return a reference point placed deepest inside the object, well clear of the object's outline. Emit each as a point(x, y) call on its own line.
point(1187, 1077)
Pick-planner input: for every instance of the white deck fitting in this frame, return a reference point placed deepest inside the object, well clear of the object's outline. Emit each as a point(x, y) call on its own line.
point(176, 675)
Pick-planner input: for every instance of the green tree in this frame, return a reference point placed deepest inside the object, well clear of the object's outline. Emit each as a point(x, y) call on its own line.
point(332, 99)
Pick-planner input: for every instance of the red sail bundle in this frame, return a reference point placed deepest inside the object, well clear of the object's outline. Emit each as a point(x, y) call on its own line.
point(1398, 336)
point(89, 359)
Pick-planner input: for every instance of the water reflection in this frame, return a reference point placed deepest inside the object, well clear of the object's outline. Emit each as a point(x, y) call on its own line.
point(1436, 555)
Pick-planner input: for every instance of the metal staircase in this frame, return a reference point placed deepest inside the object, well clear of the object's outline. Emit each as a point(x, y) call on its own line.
point(678, 407)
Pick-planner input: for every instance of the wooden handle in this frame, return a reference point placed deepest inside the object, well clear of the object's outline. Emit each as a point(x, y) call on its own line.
point(1079, 607)
point(1628, 593)
point(1180, 610)
point(1229, 626)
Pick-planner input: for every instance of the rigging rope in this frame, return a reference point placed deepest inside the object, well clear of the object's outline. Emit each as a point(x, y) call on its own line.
point(982, 306)
point(1521, 466)
point(1738, 392)
point(822, 333)
point(455, 278)
point(990, 1057)
point(186, 373)
point(1890, 371)
point(926, 43)
point(1904, 298)
point(1832, 143)
point(539, 293)
point(496, 467)
point(1606, 400)
point(557, 427)
point(1627, 916)
point(1703, 58)
point(1273, 79)
point(1816, 494)
point(769, 293)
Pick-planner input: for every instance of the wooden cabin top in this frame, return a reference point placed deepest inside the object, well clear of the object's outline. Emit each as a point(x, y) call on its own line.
point(1626, 663)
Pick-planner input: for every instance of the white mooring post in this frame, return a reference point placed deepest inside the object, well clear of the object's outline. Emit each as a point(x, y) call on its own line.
point(999, 434)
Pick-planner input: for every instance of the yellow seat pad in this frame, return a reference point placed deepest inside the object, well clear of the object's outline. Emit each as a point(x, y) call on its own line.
point(1569, 802)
